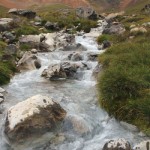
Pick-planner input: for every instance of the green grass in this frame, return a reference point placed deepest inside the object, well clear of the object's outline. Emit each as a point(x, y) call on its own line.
point(65, 17)
point(7, 68)
point(124, 84)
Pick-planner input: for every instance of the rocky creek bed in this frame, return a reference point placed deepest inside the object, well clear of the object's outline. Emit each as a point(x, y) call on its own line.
point(68, 79)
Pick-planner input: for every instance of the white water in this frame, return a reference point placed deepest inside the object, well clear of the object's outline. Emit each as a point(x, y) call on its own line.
point(77, 97)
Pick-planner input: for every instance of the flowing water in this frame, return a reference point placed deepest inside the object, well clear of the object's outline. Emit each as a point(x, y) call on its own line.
point(92, 125)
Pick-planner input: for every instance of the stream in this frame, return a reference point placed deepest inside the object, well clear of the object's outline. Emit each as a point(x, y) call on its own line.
point(77, 97)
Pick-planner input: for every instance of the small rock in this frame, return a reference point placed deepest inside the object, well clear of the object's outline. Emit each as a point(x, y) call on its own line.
point(75, 56)
point(145, 145)
point(11, 49)
point(34, 51)
point(119, 144)
point(2, 90)
point(106, 44)
point(137, 30)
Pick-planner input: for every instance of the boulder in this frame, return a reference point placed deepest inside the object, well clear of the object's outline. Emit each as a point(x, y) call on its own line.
point(64, 70)
point(34, 51)
point(137, 30)
point(146, 24)
point(51, 26)
point(29, 61)
point(74, 47)
point(11, 49)
point(8, 37)
point(5, 24)
point(114, 29)
point(146, 9)
point(96, 70)
point(75, 56)
point(2, 90)
point(1, 98)
point(145, 145)
point(24, 13)
point(119, 144)
point(76, 123)
point(93, 56)
point(33, 116)
point(106, 44)
point(86, 12)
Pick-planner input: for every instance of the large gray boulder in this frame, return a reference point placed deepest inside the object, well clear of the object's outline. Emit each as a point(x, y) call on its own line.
point(119, 144)
point(29, 61)
point(34, 116)
point(76, 56)
point(114, 29)
point(61, 71)
point(11, 49)
point(24, 13)
point(6, 24)
point(145, 145)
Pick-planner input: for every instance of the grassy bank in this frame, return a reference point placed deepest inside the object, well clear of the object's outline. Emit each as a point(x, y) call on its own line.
point(124, 83)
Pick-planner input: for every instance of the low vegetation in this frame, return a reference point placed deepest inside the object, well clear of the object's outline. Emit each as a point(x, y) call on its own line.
point(124, 83)
point(7, 67)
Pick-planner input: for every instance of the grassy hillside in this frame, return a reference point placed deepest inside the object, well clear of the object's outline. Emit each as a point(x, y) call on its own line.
point(124, 84)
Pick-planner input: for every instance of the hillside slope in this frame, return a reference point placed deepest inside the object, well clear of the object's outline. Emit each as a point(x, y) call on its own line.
point(27, 3)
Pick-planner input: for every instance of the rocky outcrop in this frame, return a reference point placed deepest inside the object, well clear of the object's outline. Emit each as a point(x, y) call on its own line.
point(29, 61)
point(33, 116)
point(114, 29)
point(51, 26)
point(87, 12)
point(43, 42)
point(6, 24)
point(58, 71)
point(145, 145)
point(64, 70)
point(119, 144)
point(24, 13)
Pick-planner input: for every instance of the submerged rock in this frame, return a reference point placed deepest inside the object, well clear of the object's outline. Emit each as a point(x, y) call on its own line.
point(29, 61)
point(33, 116)
point(75, 56)
point(119, 144)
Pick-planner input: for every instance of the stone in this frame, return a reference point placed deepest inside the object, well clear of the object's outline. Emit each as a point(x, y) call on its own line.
point(34, 51)
point(93, 56)
point(74, 47)
point(137, 30)
point(24, 13)
point(146, 9)
point(119, 144)
point(1, 100)
point(51, 26)
point(11, 49)
point(96, 70)
point(2, 90)
point(34, 116)
point(77, 124)
point(75, 56)
point(87, 12)
point(5, 24)
point(37, 23)
point(8, 37)
point(106, 44)
point(29, 61)
point(64, 70)
point(114, 29)
point(145, 145)
point(146, 24)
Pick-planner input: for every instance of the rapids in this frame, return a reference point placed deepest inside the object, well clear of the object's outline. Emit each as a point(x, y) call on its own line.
point(77, 97)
